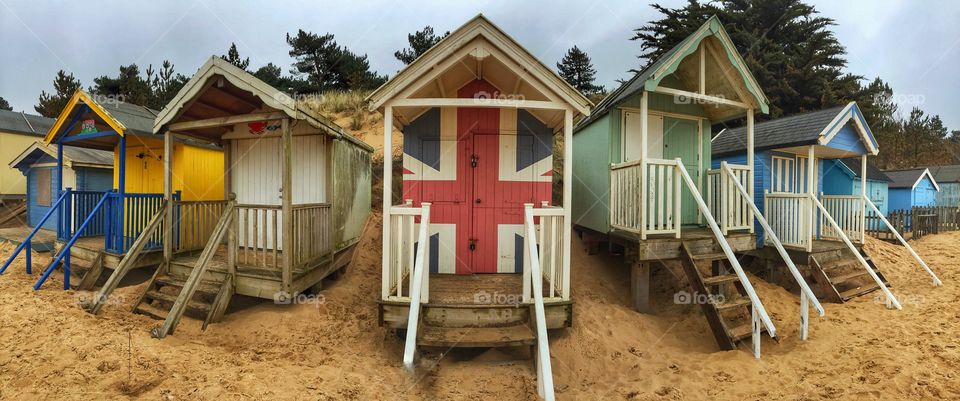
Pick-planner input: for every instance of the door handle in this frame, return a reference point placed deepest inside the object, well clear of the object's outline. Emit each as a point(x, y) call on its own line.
point(473, 161)
point(477, 201)
point(473, 245)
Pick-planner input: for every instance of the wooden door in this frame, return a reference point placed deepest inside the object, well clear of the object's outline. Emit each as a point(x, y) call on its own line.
point(681, 138)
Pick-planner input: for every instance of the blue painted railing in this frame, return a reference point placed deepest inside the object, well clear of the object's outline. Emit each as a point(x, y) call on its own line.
point(130, 221)
point(77, 207)
point(64, 254)
point(26, 242)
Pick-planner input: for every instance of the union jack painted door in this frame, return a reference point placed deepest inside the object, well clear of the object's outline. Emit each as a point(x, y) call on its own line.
point(477, 166)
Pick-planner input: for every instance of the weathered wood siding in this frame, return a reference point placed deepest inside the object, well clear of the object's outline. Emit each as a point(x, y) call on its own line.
point(352, 178)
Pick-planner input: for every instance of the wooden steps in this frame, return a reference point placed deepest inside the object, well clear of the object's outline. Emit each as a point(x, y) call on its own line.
point(728, 310)
point(476, 337)
point(162, 292)
point(84, 271)
point(842, 277)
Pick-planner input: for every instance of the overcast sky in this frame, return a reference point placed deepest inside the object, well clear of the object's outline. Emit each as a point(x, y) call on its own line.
point(915, 46)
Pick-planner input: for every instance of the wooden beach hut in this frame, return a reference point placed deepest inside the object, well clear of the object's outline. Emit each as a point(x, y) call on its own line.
point(98, 228)
point(297, 191)
point(85, 170)
point(842, 177)
point(948, 179)
point(822, 233)
point(644, 185)
point(474, 231)
point(912, 188)
point(18, 131)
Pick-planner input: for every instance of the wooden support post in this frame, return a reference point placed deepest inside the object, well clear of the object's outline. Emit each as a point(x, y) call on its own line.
point(287, 208)
point(168, 196)
point(640, 286)
point(118, 228)
point(387, 194)
point(863, 199)
point(567, 199)
point(228, 194)
point(750, 165)
point(643, 165)
point(812, 191)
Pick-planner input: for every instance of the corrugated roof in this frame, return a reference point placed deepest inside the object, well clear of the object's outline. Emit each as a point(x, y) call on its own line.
point(796, 130)
point(71, 155)
point(946, 173)
point(904, 178)
point(88, 156)
point(22, 123)
point(873, 173)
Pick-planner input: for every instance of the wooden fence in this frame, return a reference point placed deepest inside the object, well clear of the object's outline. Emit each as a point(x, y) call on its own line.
point(914, 223)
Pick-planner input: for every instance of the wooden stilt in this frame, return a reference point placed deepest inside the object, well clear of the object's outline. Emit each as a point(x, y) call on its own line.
point(640, 286)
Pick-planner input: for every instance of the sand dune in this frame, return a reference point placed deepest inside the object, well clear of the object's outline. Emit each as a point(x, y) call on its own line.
point(334, 350)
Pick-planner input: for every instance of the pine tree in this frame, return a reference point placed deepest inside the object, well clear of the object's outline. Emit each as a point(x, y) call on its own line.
point(128, 86)
point(233, 56)
point(420, 41)
point(578, 71)
point(165, 85)
point(325, 65)
point(4, 105)
point(64, 85)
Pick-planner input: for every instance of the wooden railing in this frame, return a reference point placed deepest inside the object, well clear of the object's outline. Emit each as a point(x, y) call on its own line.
point(131, 219)
point(401, 253)
point(535, 286)
point(194, 222)
point(656, 213)
point(419, 285)
point(77, 207)
point(259, 236)
point(311, 240)
point(550, 240)
point(732, 211)
point(791, 217)
point(873, 208)
point(848, 211)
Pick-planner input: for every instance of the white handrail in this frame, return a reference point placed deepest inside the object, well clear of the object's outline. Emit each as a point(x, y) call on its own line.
point(846, 240)
point(804, 288)
point(416, 287)
point(712, 223)
point(544, 370)
point(936, 281)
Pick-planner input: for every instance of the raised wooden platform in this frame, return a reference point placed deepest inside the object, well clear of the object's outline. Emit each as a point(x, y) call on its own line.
point(87, 248)
point(476, 302)
point(258, 280)
point(666, 247)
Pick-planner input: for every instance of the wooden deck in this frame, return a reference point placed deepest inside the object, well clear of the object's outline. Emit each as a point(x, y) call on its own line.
point(257, 278)
point(801, 256)
point(87, 248)
point(667, 247)
point(43, 241)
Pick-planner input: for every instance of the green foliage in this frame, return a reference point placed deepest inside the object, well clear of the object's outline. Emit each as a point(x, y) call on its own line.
point(151, 90)
point(420, 41)
point(323, 65)
point(64, 85)
point(577, 69)
point(233, 56)
point(4, 105)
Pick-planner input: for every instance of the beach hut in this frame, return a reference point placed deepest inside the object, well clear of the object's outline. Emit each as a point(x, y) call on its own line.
point(912, 188)
point(842, 177)
point(98, 228)
point(84, 170)
point(18, 131)
point(824, 233)
point(643, 182)
point(948, 179)
point(297, 191)
point(479, 115)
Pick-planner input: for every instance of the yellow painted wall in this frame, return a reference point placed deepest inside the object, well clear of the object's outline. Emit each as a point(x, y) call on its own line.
point(12, 181)
point(197, 171)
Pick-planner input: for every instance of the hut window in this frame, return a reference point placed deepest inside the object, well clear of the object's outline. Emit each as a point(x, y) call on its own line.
point(44, 187)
